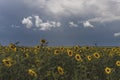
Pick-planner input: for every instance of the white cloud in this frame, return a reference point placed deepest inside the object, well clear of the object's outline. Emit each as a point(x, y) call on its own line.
point(116, 34)
point(87, 24)
point(28, 22)
point(39, 23)
point(105, 18)
point(48, 25)
point(72, 24)
point(45, 25)
point(58, 6)
point(102, 10)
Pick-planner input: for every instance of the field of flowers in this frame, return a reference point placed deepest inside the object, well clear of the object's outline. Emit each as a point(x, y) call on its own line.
point(59, 63)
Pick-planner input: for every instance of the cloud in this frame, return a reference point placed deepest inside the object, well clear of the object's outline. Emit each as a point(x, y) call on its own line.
point(28, 22)
point(105, 18)
point(87, 24)
point(95, 10)
point(92, 11)
point(58, 6)
point(45, 25)
point(72, 24)
point(39, 23)
point(116, 34)
point(48, 25)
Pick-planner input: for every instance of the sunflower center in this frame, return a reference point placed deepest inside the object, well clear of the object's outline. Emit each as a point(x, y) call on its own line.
point(78, 57)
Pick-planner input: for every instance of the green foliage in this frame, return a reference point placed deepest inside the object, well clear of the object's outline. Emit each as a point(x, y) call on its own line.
point(45, 62)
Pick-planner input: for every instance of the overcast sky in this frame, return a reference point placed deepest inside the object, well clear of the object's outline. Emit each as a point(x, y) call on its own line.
point(61, 22)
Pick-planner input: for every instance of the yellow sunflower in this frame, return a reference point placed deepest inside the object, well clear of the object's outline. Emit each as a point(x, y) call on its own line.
point(37, 47)
point(32, 73)
point(61, 48)
point(43, 41)
point(114, 49)
point(111, 54)
point(60, 70)
point(96, 55)
point(8, 62)
point(77, 47)
point(118, 63)
point(118, 53)
point(70, 53)
point(36, 51)
point(15, 49)
point(108, 70)
point(11, 45)
point(89, 57)
point(56, 51)
point(78, 57)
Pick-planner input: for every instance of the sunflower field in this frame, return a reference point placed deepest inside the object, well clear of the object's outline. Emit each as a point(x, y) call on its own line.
point(59, 63)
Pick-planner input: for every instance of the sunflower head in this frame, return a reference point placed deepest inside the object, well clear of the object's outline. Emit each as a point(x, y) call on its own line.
point(43, 41)
point(60, 70)
point(78, 57)
point(36, 51)
point(108, 70)
point(32, 73)
point(89, 57)
point(118, 63)
point(114, 49)
point(15, 49)
point(110, 54)
point(11, 46)
point(8, 62)
point(62, 48)
point(70, 53)
point(56, 52)
point(77, 47)
point(37, 47)
point(96, 55)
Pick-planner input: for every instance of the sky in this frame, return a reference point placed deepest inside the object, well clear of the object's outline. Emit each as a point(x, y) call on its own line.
point(60, 22)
